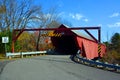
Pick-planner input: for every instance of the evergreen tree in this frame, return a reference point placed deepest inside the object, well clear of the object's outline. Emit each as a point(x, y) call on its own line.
point(115, 42)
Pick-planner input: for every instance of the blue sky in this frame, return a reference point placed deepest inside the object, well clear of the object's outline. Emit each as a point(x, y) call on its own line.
point(104, 13)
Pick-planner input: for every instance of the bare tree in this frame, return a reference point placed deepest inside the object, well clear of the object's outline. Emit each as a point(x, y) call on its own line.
point(47, 20)
point(16, 14)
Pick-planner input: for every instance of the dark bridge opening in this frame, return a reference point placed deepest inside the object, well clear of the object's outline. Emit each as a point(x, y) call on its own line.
point(65, 45)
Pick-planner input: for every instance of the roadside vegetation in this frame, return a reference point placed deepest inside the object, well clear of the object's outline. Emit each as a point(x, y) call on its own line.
point(113, 50)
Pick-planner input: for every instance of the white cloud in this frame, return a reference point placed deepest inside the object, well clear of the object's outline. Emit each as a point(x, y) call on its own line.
point(114, 15)
point(86, 20)
point(76, 16)
point(117, 24)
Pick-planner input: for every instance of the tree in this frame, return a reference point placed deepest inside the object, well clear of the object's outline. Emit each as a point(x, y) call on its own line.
point(8, 45)
point(113, 52)
point(47, 20)
point(26, 42)
point(115, 42)
point(16, 14)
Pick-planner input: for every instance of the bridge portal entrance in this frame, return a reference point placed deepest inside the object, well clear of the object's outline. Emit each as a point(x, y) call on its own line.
point(65, 39)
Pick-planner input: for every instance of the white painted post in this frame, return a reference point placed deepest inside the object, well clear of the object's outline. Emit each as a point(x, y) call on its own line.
point(21, 54)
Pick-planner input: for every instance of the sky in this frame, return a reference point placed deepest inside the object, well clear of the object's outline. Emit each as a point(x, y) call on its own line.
point(88, 13)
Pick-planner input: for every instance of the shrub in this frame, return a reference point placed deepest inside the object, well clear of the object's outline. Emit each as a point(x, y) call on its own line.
point(112, 57)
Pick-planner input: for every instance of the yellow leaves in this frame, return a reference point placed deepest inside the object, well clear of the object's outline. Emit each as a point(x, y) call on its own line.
point(112, 57)
point(25, 42)
point(24, 36)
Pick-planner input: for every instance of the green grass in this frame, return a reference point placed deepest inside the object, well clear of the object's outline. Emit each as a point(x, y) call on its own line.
point(3, 57)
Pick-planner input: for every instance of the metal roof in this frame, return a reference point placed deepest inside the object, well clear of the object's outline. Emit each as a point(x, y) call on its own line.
point(77, 32)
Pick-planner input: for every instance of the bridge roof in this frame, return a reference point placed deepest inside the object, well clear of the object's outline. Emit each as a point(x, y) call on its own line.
point(79, 33)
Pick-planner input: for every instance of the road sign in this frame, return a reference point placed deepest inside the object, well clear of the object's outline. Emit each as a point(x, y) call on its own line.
point(5, 39)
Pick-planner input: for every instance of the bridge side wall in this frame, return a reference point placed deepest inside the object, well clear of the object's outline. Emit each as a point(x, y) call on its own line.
point(90, 48)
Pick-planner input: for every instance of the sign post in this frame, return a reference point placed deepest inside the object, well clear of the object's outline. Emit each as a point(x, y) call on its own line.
point(5, 40)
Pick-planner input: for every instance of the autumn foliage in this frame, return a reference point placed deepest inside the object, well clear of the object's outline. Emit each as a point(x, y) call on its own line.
point(113, 50)
point(27, 42)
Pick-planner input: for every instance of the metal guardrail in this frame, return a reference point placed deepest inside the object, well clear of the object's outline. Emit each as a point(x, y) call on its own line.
point(99, 64)
point(9, 54)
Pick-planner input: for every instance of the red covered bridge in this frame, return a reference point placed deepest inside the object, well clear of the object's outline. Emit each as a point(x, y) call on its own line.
point(72, 40)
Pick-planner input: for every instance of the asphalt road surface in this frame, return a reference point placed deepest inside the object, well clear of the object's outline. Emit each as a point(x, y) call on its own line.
point(53, 67)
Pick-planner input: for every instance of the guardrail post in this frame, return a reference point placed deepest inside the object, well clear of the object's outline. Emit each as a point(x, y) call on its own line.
point(106, 67)
point(21, 54)
point(78, 59)
point(116, 68)
point(99, 66)
point(9, 57)
point(36, 54)
point(91, 63)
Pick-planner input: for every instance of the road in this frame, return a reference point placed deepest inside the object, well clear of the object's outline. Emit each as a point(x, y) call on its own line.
point(53, 67)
